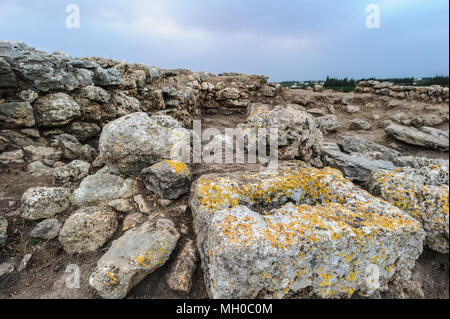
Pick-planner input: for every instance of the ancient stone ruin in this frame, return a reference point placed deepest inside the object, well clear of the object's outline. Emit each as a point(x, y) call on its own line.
point(99, 176)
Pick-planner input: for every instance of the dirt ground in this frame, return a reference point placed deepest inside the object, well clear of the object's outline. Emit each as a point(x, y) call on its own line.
point(45, 274)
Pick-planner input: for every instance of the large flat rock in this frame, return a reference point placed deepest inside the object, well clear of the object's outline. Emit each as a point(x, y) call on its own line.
point(296, 230)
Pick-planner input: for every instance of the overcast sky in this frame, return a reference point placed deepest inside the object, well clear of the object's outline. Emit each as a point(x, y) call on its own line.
point(285, 39)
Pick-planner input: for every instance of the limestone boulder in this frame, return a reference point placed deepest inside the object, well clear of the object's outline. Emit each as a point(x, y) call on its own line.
point(133, 257)
point(168, 179)
point(416, 137)
point(296, 230)
point(137, 141)
point(56, 109)
point(17, 114)
point(102, 188)
point(44, 202)
point(88, 229)
point(423, 194)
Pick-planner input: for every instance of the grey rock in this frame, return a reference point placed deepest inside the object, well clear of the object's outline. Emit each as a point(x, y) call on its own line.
point(28, 95)
point(47, 229)
point(427, 120)
point(423, 194)
point(12, 157)
point(353, 144)
point(415, 137)
point(70, 146)
point(40, 71)
point(353, 167)
point(121, 205)
point(102, 188)
point(16, 114)
point(8, 83)
point(72, 172)
point(168, 179)
point(44, 202)
point(56, 109)
point(133, 257)
point(95, 93)
point(84, 131)
point(42, 153)
point(182, 271)
point(137, 141)
point(24, 262)
point(39, 169)
point(435, 132)
point(6, 269)
point(298, 229)
point(88, 229)
point(3, 231)
point(298, 136)
point(327, 123)
point(351, 108)
point(359, 124)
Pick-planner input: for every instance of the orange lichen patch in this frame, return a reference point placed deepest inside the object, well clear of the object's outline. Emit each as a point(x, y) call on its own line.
point(311, 224)
point(179, 167)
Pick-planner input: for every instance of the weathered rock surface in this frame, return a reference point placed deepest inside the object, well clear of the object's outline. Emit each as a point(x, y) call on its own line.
point(422, 193)
point(48, 155)
point(327, 123)
point(413, 136)
point(12, 157)
point(56, 109)
point(102, 188)
point(70, 146)
point(88, 229)
point(258, 236)
point(72, 172)
point(298, 136)
point(3, 231)
point(180, 276)
point(354, 167)
point(168, 179)
point(133, 257)
point(47, 229)
point(137, 141)
point(359, 124)
point(44, 202)
point(17, 114)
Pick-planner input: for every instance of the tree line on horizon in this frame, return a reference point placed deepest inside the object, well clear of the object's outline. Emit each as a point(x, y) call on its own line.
point(348, 85)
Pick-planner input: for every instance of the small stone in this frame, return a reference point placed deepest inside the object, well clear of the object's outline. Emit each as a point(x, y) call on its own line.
point(351, 108)
point(102, 188)
point(3, 231)
point(133, 220)
point(168, 179)
point(44, 202)
point(6, 269)
point(88, 229)
point(180, 276)
point(358, 124)
point(121, 205)
point(142, 204)
point(12, 157)
point(24, 262)
point(47, 229)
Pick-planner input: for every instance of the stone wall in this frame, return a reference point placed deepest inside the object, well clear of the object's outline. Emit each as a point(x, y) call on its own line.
point(433, 94)
point(56, 94)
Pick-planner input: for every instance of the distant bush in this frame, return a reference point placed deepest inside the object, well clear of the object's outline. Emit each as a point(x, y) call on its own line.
point(349, 85)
